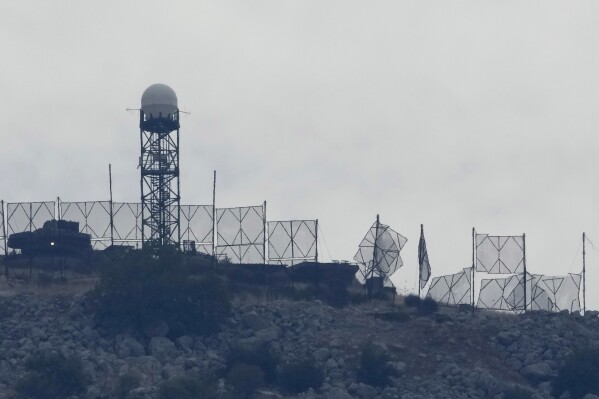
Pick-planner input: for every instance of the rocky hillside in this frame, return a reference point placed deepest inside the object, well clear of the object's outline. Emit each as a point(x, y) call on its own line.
point(445, 355)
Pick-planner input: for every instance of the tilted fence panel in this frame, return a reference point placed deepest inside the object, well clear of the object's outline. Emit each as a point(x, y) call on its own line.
point(562, 292)
point(379, 254)
point(505, 293)
point(451, 289)
point(549, 293)
point(241, 235)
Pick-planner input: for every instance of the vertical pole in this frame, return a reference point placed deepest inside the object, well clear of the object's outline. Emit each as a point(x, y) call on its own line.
point(264, 226)
point(584, 273)
point(111, 206)
point(58, 216)
point(374, 261)
point(214, 218)
point(524, 262)
point(178, 191)
point(264, 232)
point(4, 233)
point(30, 239)
point(292, 239)
point(420, 258)
point(316, 239)
point(473, 265)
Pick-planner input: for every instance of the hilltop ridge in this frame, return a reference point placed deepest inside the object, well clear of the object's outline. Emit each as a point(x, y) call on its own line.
point(445, 355)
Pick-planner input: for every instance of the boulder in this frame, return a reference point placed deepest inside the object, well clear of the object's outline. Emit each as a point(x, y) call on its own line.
point(254, 321)
point(142, 393)
point(399, 367)
point(146, 365)
point(268, 334)
point(90, 334)
point(162, 349)
point(338, 393)
point(538, 371)
point(185, 342)
point(130, 347)
point(321, 355)
point(170, 371)
point(365, 391)
point(506, 338)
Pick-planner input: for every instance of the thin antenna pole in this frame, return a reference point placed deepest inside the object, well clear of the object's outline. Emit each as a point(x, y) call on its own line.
point(584, 274)
point(292, 241)
point(4, 232)
point(57, 210)
point(473, 265)
point(214, 218)
point(264, 232)
point(374, 261)
point(316, 238)
point(420, 258)
point(111, 206)
point(525, 275)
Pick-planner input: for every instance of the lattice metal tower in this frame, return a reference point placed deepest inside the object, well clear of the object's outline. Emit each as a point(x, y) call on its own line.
point(159, 163)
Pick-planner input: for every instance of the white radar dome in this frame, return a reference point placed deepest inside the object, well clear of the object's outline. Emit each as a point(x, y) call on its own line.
point(159, 100)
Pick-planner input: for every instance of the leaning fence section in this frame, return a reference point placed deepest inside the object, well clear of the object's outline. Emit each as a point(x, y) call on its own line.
point(378, 255)
point(504, 293)
point(241, 235)
point(500, 265)
point(562, 292)
point(292, 241)
point(548, 293)
point(452, 289)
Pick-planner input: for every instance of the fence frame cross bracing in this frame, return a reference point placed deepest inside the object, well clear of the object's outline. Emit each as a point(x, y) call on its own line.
point(194, 233)
point(292, 241)
point(498, 254)
point(87, 214)
point(238, 239)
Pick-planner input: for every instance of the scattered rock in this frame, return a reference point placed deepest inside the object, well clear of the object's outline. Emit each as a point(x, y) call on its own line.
point(130, 347)
point(337, 393)
point(162, 349)
point(365, 391)
point(254, 321)
point(541, 371)
point(533, 345)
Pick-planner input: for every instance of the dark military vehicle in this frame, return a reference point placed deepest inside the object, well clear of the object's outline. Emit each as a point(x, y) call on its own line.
point(56, 237)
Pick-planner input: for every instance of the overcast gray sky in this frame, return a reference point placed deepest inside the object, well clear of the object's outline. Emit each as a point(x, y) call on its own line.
point(449, 113)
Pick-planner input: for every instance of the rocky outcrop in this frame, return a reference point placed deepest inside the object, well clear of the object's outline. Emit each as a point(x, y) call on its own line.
point(459, 355)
